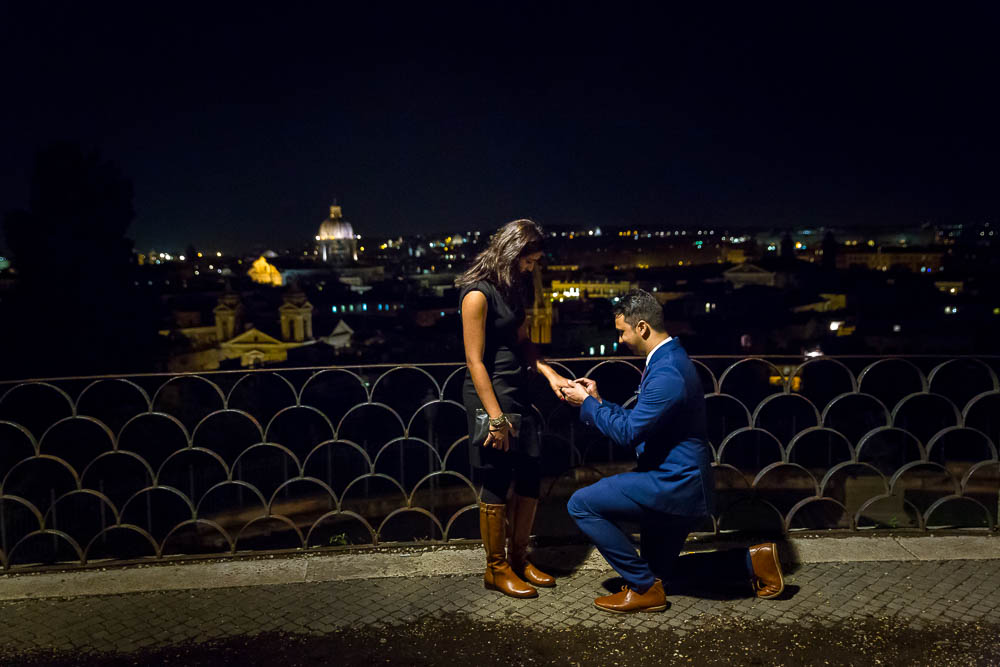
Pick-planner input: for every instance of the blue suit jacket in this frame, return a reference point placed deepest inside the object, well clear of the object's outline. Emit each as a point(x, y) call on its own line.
point(666, 428)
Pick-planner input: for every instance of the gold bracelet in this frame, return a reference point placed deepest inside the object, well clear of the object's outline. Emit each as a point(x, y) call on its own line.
point(499, 421)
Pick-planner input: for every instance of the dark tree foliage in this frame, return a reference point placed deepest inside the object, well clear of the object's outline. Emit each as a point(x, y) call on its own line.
point(74, 311)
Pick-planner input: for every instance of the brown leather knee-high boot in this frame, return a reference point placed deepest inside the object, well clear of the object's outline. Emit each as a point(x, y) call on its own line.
point(499, 576)
point(522, 517)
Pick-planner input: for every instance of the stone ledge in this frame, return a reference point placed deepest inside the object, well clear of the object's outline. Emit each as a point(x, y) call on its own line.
point(423, 562)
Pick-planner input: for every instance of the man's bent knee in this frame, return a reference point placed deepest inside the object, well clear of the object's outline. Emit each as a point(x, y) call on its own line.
point(577, 506)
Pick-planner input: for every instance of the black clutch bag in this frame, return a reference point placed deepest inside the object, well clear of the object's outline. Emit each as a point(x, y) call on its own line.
point(481, 428)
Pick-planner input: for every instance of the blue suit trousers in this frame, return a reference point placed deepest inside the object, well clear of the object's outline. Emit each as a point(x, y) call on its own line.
point(599, 509)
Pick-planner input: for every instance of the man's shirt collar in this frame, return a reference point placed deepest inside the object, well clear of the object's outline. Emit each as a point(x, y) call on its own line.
point(658, 346)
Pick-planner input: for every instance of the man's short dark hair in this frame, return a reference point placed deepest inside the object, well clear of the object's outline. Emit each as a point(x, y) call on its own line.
point(638, 305)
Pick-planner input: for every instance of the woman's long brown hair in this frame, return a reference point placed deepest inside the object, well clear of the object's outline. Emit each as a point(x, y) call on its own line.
point(498, 262)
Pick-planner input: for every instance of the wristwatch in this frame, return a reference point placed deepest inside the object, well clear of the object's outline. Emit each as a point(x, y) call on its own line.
point(499, 421)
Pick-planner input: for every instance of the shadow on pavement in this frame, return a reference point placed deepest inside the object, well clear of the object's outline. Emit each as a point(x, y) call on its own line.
point(717, 574)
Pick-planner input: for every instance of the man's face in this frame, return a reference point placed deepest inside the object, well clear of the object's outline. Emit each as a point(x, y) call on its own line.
point(628, 335)
point(526, 263)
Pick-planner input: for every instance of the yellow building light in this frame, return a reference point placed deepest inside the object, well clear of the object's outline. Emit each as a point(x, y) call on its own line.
point(777, 381)
point(263, 273)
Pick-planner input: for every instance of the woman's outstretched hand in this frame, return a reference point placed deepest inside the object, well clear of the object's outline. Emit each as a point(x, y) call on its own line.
point(581, 389)
point(558, 383)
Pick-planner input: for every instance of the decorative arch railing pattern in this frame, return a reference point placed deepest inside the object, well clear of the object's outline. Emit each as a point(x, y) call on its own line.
point(153, 466)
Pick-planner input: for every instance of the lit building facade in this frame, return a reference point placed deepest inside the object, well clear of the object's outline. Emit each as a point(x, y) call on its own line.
point(918, 261)
point(264, 273)
point(593, 289)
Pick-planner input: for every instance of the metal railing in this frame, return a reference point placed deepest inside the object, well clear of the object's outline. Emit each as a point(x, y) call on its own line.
point(155, 466)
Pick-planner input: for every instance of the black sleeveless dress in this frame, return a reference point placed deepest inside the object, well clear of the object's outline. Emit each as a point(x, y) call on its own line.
point(504, 363)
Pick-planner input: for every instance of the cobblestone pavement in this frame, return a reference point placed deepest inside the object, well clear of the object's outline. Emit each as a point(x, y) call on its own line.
point(913, 595)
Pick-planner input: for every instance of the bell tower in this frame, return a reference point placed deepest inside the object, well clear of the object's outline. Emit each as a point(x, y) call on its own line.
point(296, 316)
point(540, 314)
point(228, 315)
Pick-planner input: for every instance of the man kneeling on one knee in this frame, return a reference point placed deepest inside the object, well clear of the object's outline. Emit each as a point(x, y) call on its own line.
point(671, 490)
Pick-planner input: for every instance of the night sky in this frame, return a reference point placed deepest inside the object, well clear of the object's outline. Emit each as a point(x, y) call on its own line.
point(239, 124)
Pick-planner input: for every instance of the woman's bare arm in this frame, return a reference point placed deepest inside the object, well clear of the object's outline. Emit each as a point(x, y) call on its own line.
point(474, 309)
point(530, 352)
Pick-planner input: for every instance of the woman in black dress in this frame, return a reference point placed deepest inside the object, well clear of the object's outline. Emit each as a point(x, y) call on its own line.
point(499, 355)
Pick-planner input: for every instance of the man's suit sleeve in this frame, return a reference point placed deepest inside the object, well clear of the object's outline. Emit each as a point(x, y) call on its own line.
point(660, 393)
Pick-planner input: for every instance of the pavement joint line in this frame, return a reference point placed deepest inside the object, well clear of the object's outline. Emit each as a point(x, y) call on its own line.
point(444, 562)
point(903, 547)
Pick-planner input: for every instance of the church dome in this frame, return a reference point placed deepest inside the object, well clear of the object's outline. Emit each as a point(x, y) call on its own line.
point(335, 228)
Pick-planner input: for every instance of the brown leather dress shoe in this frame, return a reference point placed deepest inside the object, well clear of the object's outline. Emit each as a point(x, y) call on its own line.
point(628, 600)
point(767, 580)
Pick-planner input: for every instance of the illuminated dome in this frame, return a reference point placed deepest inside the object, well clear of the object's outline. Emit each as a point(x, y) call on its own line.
point(336, 241)
point(335, 228)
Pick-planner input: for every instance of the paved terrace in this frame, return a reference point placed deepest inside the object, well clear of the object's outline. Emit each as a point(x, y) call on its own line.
point(860, 600)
